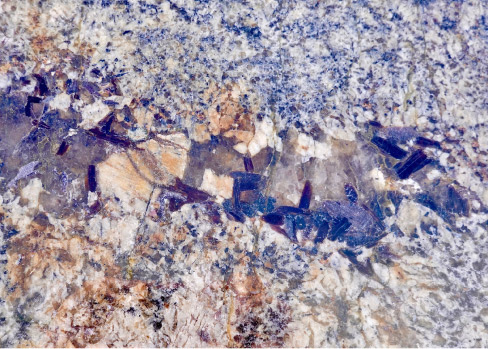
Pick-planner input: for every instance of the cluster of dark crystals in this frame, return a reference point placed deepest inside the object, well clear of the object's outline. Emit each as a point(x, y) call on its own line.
point(446, 199)
point(347, 220)
point(417, 159)
point(350, 221)
point(335, 220)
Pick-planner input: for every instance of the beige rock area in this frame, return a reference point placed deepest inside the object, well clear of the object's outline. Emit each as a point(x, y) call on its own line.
point(243, 174)
point(134, 174)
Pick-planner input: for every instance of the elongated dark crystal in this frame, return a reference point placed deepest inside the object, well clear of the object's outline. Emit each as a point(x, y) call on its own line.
point(321, 233)
point(389, 147)
point(273, 218)
point(193, 194)
point(306, 196)
point(112, 138)
point(92, 180)
point(41, 83)
point(289, 210)
point(107, 124)
point(414, 162)
point(375, 123)
point(248, 165)
point(63, 148)
point(236, 194)
point(425, 142)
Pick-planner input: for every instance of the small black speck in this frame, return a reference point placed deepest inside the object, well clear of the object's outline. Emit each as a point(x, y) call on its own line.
point(157, 325)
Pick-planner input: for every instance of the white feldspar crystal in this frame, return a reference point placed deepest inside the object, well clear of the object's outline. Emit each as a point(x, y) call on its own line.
point(61, 102)
point(93, 113)
point(217, 185)
point(307, 147)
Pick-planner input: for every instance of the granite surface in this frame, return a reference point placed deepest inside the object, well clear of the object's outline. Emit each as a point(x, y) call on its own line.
point(195, 173)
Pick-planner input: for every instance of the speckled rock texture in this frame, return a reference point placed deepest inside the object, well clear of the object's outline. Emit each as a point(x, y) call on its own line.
point(195, 173)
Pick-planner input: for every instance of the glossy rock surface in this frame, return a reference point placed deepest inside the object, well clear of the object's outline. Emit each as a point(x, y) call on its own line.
point(243, 173)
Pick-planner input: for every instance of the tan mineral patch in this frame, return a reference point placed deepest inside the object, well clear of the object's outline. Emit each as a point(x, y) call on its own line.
point(227, 114)
point(248, 286)
point(117, 176)
point(241, 136)
point(50, 253)
point(200, 133)
point(156, 162)
point(144, 117)
point(148, 165)
point(164, 157)
point(103, 296)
